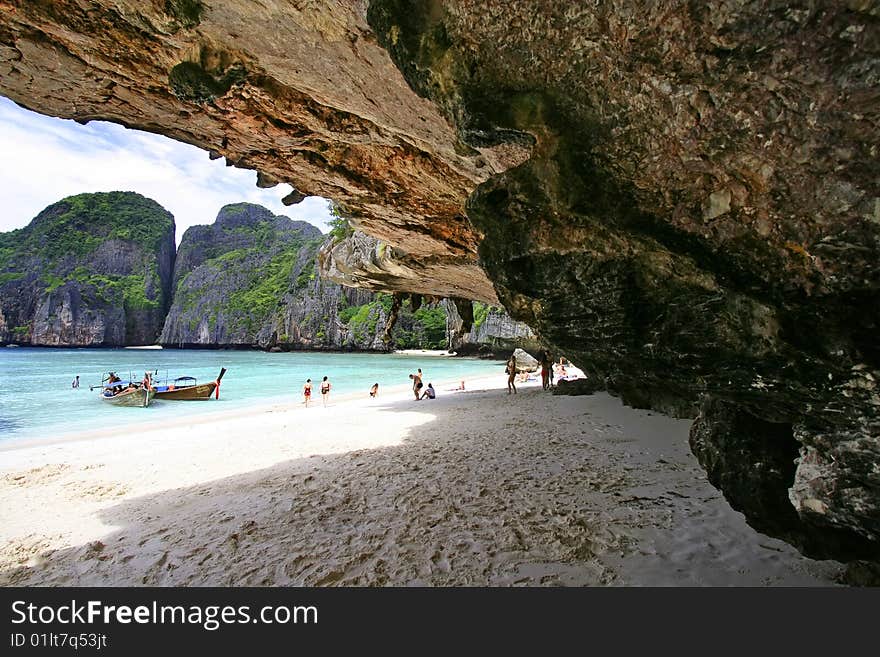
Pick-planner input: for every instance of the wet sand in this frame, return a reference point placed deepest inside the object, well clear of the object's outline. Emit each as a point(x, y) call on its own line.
point(474, 488)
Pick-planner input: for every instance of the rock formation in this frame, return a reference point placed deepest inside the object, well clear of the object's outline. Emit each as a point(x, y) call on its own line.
point(682, 198)
point(90, 270)
point(245, 281)
point(491, 332)
point(361, 261)
point(249, 280)
point(525, 362)
point(72, 278)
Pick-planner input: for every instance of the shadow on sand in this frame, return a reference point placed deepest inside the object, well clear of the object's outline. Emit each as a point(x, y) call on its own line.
point(542, 490)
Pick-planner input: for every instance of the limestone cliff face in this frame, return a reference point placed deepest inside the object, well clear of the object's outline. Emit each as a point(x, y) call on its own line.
point(681, 198)
point(92, 269)
point(360, 260)
point(249, 280)
point(492, 332)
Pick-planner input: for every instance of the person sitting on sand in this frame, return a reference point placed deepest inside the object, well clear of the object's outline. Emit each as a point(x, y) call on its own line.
point(325, 390)
point(307, 392)
point(417, 384)
point(511, 374)
point(560, 371)
point(429, 392)
point(374, 390)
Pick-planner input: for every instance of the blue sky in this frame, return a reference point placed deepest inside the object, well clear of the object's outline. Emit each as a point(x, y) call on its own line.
point(45, 159)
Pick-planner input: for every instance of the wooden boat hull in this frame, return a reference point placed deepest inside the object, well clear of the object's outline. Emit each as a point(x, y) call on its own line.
point(188, 393)
point(137, 397)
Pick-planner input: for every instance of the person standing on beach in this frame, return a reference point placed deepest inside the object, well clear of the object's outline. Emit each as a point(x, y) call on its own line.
point(75, 383)
point(545, 370)
point(374, 390)
point(325, 390)
point(511, 374)
point(417, 384)
point(307, 392)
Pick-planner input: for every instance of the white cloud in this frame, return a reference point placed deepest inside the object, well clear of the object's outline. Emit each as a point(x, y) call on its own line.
point(46, 159)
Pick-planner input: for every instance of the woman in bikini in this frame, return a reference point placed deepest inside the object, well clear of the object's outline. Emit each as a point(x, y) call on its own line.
point(511, 374)
point(325, 390)
point(307, 392)
point(417, 384)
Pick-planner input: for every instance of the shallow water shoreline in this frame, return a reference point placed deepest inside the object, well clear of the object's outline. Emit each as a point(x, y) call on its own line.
point(38, 402)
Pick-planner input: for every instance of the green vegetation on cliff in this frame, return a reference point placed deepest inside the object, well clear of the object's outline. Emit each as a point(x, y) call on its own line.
point(239, 276)
point(66, 233)
point(78, 225)
point(340, 228)
point(268, 284)
point(130, 291)
point(265, 292)
point(98, 252)
point(481, 312)
point(424, 328)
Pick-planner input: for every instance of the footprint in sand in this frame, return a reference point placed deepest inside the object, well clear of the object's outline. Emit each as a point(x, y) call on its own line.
point(96, 491)
point(35, 476)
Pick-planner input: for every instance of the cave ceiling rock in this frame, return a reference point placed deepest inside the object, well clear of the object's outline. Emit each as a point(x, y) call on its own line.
point(301, 93)
point(360, 260)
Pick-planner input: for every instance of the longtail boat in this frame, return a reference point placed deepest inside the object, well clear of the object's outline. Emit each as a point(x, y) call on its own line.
point(188, 388)
point(127, 393)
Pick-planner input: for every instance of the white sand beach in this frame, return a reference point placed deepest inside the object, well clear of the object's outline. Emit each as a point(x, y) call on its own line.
point(474, 488)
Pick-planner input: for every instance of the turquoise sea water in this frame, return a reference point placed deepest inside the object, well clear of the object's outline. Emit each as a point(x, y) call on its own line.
point(36, 398)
